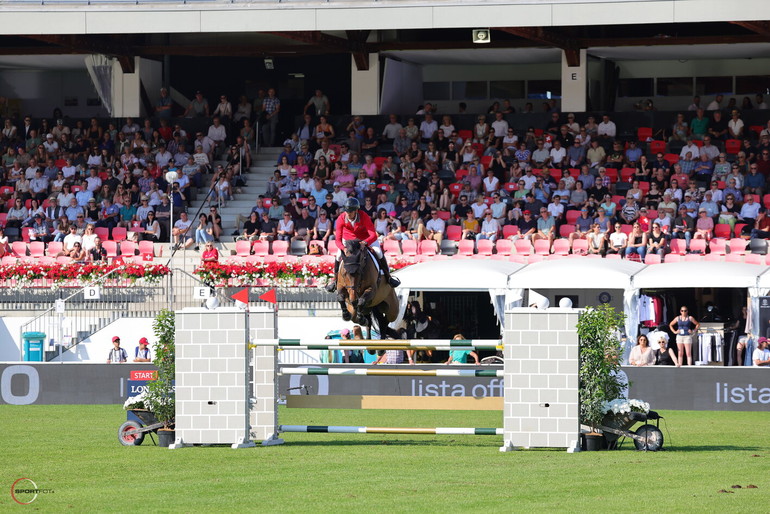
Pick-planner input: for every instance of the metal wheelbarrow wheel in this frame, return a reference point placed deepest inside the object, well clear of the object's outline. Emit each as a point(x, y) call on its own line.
point(127, 439)
point(651, 438)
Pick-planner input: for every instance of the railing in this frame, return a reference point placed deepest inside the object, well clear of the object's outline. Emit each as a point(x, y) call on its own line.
point(123, 299)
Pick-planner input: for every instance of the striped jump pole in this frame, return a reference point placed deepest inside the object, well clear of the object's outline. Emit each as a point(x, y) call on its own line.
point(325, 429)
point(421, 344)
point(395, 372)
point(481, 344)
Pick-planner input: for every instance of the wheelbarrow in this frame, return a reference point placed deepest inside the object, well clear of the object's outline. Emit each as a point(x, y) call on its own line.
point(648, 437)
point(131, 433)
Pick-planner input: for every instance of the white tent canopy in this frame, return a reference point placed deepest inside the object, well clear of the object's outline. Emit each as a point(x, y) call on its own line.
point(576, 274)
point(698, 274)
point(457, 275)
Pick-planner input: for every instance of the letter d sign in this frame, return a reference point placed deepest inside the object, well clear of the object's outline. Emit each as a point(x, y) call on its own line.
point(92, 293)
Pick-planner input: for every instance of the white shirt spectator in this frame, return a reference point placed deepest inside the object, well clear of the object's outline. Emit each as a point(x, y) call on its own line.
point(759, 355)
point(391, 130)
point(500, 128)
point(557, 155)
point(436, 225)
point(162, 158)
point(607, 129)
point(692, 148)
point(94, 183)
point(479, 209)
point(428, 128)
point(216, 134)
point(69, 171)
point(556, 209)
point(489, 226)
point(70, 240)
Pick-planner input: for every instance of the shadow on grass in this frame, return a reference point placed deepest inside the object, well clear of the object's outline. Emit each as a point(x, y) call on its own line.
point(714, 448)
point(388, 442)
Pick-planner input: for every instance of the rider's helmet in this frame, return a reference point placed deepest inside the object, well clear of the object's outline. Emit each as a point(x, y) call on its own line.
point(352, 205)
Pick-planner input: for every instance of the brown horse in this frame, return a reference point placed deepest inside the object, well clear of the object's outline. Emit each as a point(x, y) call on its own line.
point(363, 294)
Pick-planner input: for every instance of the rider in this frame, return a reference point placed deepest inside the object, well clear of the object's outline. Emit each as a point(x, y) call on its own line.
point(351, 225)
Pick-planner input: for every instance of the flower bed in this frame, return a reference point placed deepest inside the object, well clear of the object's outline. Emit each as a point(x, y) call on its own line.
point(23, 274)
point(273, 274)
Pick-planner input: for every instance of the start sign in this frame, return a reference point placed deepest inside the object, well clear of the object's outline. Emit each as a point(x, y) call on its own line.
point(143, 375)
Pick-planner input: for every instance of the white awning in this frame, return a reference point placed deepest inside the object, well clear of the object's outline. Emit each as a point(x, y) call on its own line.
point(457, 275)
point(576, 273)
point(698, 274)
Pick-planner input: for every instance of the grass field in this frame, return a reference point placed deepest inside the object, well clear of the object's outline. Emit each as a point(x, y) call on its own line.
point(74, 451)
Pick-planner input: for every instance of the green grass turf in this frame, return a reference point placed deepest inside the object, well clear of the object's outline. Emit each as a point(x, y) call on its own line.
point(74, 450)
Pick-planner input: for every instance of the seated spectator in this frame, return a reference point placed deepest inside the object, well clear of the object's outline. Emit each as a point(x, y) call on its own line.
point(97, 253)
point(461, 356)
point(630, 211)
point(204, 232)
point(642, 354)
point(489, 228)
point(210, 254)
point(761, 227)
point(303, 226)
point(470, 226)
point(637, 242)
point(618, 241)
point(704, 226)
point(151, 230)
point(656, 241)
point(754, 182)
point(250, 228)
point(285, 230)
point(434, 228)
point(546, 226)
point(596, 240)
point(183, 236)
point(76, 252)
point(749, 211)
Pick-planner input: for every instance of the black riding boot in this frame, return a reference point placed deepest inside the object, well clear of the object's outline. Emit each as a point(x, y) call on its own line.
point(393, 281)
point(332, 286)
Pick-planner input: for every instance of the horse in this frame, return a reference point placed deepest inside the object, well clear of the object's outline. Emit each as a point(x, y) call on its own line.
point(363, 294)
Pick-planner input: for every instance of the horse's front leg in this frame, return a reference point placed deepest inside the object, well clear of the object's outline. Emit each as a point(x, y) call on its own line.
point(341, 298)
point(365, 299)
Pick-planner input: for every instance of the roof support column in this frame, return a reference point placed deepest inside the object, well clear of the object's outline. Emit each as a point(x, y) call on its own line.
point(365, 87)
point(574, 80)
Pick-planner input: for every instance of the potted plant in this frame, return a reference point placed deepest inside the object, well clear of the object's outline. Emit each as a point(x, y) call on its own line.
point(160, 392)
point(599, 381)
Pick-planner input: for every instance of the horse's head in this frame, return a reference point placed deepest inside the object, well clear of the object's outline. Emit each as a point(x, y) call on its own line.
point(353, 258)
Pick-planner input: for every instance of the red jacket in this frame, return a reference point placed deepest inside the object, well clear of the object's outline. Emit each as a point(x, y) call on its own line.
point(363, 230)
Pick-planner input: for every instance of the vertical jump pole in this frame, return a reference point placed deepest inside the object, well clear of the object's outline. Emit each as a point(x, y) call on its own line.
point(242, 296)
point(271, 297)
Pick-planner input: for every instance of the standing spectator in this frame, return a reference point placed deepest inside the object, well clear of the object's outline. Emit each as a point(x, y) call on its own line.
point(271, 107)
point(163, 107)
point(142, 352)
point(682, 326)
point(117, 354)
point(320, 104)
point(224, 110)
point(606, 131)
point(735, 125)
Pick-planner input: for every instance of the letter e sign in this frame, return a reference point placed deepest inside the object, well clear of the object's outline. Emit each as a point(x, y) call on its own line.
point(573, 76)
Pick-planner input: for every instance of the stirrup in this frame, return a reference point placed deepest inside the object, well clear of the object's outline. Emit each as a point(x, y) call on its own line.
point(394, 282)
point(331, 286)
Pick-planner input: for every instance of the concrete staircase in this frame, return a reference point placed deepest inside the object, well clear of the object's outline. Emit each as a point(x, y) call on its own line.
point(262, 166)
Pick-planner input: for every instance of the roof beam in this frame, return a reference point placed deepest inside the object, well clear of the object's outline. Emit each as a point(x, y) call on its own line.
point(674, 40)
point(357, 41)
point(760, 27)
point(548, 37)
point(90, 45)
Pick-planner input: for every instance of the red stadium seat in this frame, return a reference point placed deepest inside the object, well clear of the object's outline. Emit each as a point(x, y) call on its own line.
point(36, 249)
point(657, 146)
point(572, 216)
point(718, 246)
point(428, 247)
point(280, 248)
point(671, 158)
point(454, 232)
point(261, 248)
point(698, 246)
point(542, 247)
point(673, 257)
point(409, 247)
point(523, 247)
point(561, 246)
point(466, 247)
point(53, 248)
point(510, 230)
point(643, 133)
point(243, 248)
point(652, 258)
point(722, 230)
point(566, 229)
point(733, 146)
point(579, 247)
point(391, 247)
point(504, 247)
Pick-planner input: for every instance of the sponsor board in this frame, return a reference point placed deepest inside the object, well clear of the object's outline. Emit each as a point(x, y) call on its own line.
point(697, 388)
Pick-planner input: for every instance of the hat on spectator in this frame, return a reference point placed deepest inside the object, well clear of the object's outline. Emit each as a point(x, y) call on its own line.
point(392, 213)
point(116, 338)
point(762, 340)
point(38, 215)
point(345, 332)
point(682, 207)
point(527, 212)
point(702, 209)
point(92, 200)
point(49, 136)
point(336, 184)
point(198, 93)
point(688, 194)
point(488, 211)
point(143, 341)
point(60, 121)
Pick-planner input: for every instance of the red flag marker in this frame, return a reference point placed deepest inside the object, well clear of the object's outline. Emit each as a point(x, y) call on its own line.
point(269, 296)
point(241, 296)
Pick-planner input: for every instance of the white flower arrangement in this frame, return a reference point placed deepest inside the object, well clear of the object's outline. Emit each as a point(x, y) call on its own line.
point(624, 406)
point(137, 402)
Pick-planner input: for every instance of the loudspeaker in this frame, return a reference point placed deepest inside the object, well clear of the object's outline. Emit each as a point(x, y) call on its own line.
point(481, 36)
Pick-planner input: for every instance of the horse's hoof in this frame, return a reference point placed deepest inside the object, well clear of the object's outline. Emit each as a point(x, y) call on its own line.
point(346, 316)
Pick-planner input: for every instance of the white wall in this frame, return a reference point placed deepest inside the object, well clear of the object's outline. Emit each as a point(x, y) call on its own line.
point(126, 96)
point(93, 349)
point(365, 87)
point(40, 91)
point(151, 75)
